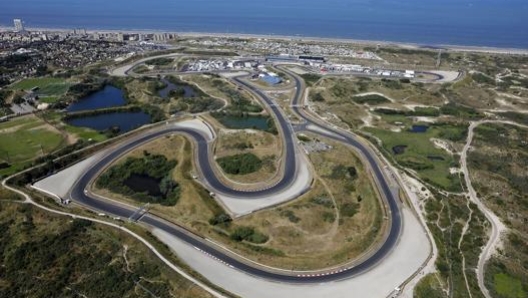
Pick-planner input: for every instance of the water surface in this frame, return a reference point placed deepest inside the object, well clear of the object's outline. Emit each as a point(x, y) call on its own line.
point(108, 97)
point(165, 92)
point(126, 121)
point(419, 128)
point(499, 23)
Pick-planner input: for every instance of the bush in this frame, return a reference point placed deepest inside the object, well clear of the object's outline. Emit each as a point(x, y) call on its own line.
point(303, 138)
point(318, 97)
point(18, 100)
point(248, 234)
point(220, 219)
point(370, 99)
point(323, 201)
point(342, 172)
point(391, 84)
point(156, 114)
point(159, 61)
point(349, 209)
point(153, 168)
point(482, 79)
point(460, 111)
point(290, 215)
point(240, 164)
point(310, 79)
point(328, 217)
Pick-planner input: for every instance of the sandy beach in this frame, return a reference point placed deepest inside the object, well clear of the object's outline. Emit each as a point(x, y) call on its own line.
point(455, 48)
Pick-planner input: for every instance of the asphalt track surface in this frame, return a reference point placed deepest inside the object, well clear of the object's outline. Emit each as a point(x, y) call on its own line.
point(78, 194)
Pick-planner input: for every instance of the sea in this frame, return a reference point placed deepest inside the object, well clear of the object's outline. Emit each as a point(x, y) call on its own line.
point(492, 23)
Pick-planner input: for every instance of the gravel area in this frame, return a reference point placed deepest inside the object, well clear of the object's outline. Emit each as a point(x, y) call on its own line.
point(61, 182)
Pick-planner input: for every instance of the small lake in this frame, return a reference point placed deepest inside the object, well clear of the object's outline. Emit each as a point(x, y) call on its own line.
point(144, 183)
point(165, 92)
point(254, 122)
point(108, 97)
point(419, 128)
point(399, 149)
point(126, 121)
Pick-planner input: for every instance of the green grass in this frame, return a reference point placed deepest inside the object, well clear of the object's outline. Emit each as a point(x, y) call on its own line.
point(419, 147)
point(47, 86)
point(310, 79)
point(23, 140)
point(429, 287)
point(240, 164)
point(159, 61)
point(508, 287)
point(85, 133)
point(50, 99)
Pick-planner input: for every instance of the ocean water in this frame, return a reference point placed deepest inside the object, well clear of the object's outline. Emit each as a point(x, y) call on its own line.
point(496, 23)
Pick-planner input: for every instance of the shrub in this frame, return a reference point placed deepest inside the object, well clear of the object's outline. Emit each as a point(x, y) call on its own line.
point(220, 219)
point(328, 217)
point(323, 201)
point(155, 167)
point(318, 97)
point(370, 99)
point(310, 79)
point(240, 164)
point(290, 215)
point(248, 234)
point(482, 79)
point(349, 209)
point(159, 61)
point(391, 84)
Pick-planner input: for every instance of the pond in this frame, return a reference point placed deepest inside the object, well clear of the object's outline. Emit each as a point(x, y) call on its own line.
point(126, 121)
point(188, 91)
point(108, 97)
point(144, 183)
point(399, 149)
point(419, 128)
point(254, 122)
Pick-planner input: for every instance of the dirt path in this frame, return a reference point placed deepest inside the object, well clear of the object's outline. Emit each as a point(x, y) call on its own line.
point(376, 93)
point(497, 227)
point(464, 231)
point(184, 274)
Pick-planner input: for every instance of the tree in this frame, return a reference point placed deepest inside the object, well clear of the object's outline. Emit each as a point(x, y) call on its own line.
point(18, 100)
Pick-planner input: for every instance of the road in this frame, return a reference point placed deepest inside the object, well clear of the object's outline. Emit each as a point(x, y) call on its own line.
point(497, 227)
point(79, 194)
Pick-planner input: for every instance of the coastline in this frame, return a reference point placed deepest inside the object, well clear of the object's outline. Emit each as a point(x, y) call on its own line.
point(408, 45)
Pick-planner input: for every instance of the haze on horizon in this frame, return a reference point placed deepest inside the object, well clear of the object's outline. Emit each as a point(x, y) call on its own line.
point(482, 23)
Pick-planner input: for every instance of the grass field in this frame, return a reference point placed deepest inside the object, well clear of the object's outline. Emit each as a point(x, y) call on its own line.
point(24, 139)
point(336, 221)
point(508, 287)
point(49, 99)
point(50, 89)
point(85, 133)
point(46, 85)
point(430, 287)
point(419, 152)
point(54, 118)
point(264, 145)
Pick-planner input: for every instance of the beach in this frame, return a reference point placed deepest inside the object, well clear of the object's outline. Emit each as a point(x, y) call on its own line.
point(358, 42)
